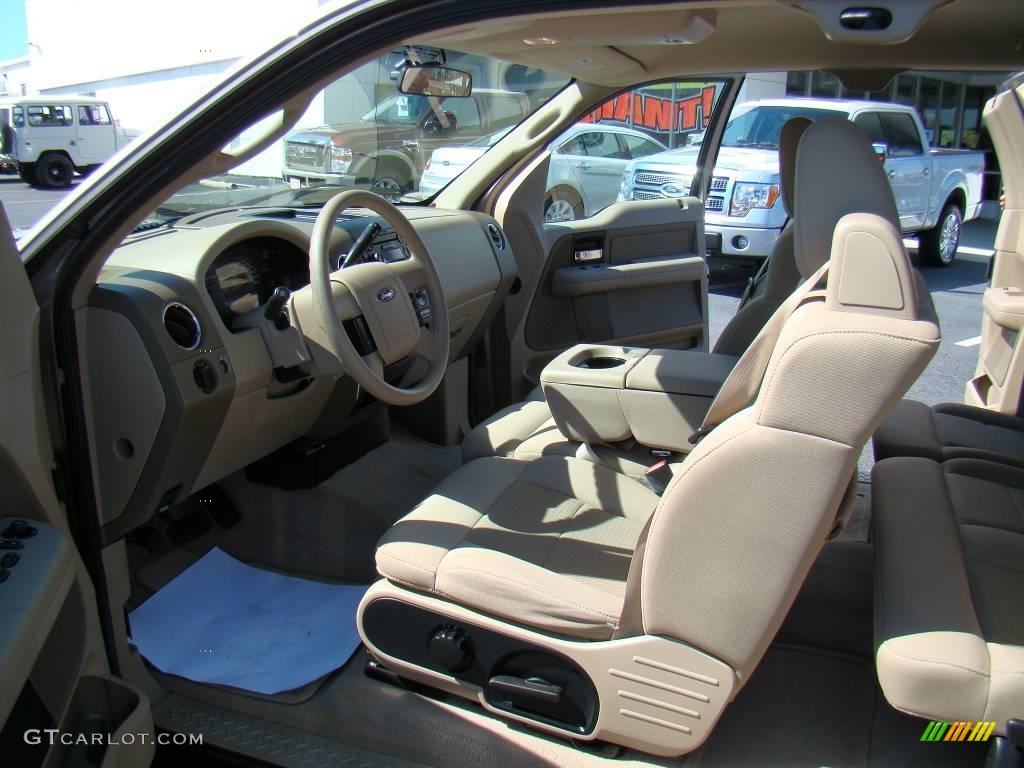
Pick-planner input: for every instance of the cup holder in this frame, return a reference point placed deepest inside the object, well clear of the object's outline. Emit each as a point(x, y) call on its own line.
point(600, 363)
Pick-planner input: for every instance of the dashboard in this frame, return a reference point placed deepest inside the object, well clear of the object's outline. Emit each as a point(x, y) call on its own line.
point(243, 277)
point(186, 390)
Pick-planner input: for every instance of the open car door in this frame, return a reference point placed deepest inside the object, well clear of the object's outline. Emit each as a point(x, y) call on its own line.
point(59, 704)
point(998, 378)
point(632, 272)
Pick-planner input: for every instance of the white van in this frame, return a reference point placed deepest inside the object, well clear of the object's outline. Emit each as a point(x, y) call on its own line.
point(51, 137)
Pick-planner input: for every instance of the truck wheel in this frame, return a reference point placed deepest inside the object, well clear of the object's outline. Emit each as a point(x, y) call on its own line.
point(388, 186)
point(54, 172)
point(937, 246)
point(562, 205)
point(27, 173)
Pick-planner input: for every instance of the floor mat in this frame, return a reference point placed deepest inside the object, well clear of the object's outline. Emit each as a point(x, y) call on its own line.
point(227, 623)
point(801, 709)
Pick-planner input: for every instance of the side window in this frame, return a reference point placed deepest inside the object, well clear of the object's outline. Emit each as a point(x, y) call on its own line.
point(633, 125)
point(637, 146)
point(49, 115)
point(902, 134)
point(466, 112)
point(17, 117)
point(505, 110)
point(872, 125)
point(602, 144)
point(93, 114)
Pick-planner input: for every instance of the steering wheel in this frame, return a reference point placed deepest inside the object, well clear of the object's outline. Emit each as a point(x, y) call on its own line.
point(383, 294)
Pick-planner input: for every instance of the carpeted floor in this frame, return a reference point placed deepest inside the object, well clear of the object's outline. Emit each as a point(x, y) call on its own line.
point(813, 701)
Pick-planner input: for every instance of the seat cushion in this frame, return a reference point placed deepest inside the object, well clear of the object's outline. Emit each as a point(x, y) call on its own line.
point(948, 431)
point(950, 597)
point(505, 431)
point(526, 431)
point(546, 543)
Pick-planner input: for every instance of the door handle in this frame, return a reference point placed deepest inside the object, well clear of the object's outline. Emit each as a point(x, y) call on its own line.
point(927, 171)
point(892, 174)
point(584, 166)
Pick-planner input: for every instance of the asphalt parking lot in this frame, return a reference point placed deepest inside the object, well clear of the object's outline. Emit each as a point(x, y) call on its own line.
point(956, 291)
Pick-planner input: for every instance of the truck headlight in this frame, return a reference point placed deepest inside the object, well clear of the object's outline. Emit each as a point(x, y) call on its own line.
point(341, 159)
point(746, 195)
point(626, 187)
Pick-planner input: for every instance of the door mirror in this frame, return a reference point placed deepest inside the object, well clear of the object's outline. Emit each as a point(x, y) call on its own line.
point(434, 80)
point(881, 150)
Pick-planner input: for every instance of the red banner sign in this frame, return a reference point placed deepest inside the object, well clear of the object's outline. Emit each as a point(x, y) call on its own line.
point(656, 113)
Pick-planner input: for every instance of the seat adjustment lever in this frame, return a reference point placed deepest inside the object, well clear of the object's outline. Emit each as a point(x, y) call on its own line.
point(530, 688)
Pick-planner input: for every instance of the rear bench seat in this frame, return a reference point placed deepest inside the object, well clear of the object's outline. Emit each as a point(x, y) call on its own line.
point(949, 618)
point(948, 431)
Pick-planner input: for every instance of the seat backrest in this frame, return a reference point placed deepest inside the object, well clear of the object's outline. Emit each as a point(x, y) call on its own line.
point(732, 539)
point(781, 275)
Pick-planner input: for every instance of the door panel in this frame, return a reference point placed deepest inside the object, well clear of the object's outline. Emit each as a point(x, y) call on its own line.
point(997, 380)
point(631, 273)
point(53, 669)
point(645, 278)
point(908, 168)
point(95, 133)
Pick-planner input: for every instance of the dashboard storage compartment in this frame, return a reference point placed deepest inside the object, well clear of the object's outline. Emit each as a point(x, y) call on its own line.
point(111, 723)
point(608, 394)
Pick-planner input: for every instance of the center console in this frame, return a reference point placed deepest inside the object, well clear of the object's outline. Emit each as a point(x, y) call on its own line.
point(608, 394)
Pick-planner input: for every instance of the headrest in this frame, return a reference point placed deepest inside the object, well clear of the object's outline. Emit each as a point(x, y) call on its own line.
point(837, 173)
point(870, 269)
point(789, 138)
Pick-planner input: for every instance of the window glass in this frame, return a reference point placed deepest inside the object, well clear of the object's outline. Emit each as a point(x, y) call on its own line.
point(591, 169)
point(824, 85)
point(360, 132)
point(901, 133)
point(797, 83)
point(600, 144)
point(928, 107)
point(759, 126)
point(93, 114)
point(17, 116)
point(505, 110)
point(638, 146)
point(49, 115)
point(466, 111)
point(948, 114)
point(872, 125)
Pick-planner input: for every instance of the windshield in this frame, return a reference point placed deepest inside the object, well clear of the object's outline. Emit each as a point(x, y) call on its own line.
point(398, 109)
point(360, 132)
point(760, 126)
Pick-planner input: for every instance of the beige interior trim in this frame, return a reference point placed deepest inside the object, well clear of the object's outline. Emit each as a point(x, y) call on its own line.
point(656, 695)
point(1000, 369)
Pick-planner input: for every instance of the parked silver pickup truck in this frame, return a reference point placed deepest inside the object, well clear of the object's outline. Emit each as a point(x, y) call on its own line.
point(936, 190)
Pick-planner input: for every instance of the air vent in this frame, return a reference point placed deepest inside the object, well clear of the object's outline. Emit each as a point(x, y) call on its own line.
point(182, 325)
point(496, 236)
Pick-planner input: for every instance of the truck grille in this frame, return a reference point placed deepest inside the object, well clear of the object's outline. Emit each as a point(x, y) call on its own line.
point(304, 156)
point(714, 204)
point(656, 178)
point(719, 183)
point(639, 194)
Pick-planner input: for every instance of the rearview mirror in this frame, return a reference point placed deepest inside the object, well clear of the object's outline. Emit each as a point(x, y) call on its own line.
point(434, 80)
point(881, 150)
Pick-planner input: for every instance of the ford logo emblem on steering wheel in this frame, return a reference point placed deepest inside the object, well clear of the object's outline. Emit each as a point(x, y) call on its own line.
point(385, 294)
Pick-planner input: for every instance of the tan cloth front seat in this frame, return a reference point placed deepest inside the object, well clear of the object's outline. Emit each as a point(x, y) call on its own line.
point(526, 430)
point(553, 554)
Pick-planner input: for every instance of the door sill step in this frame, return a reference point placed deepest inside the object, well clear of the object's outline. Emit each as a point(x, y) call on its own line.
point(265, 740)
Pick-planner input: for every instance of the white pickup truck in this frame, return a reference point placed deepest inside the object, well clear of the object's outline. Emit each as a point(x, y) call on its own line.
point(936, 190)
point(51, 137)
